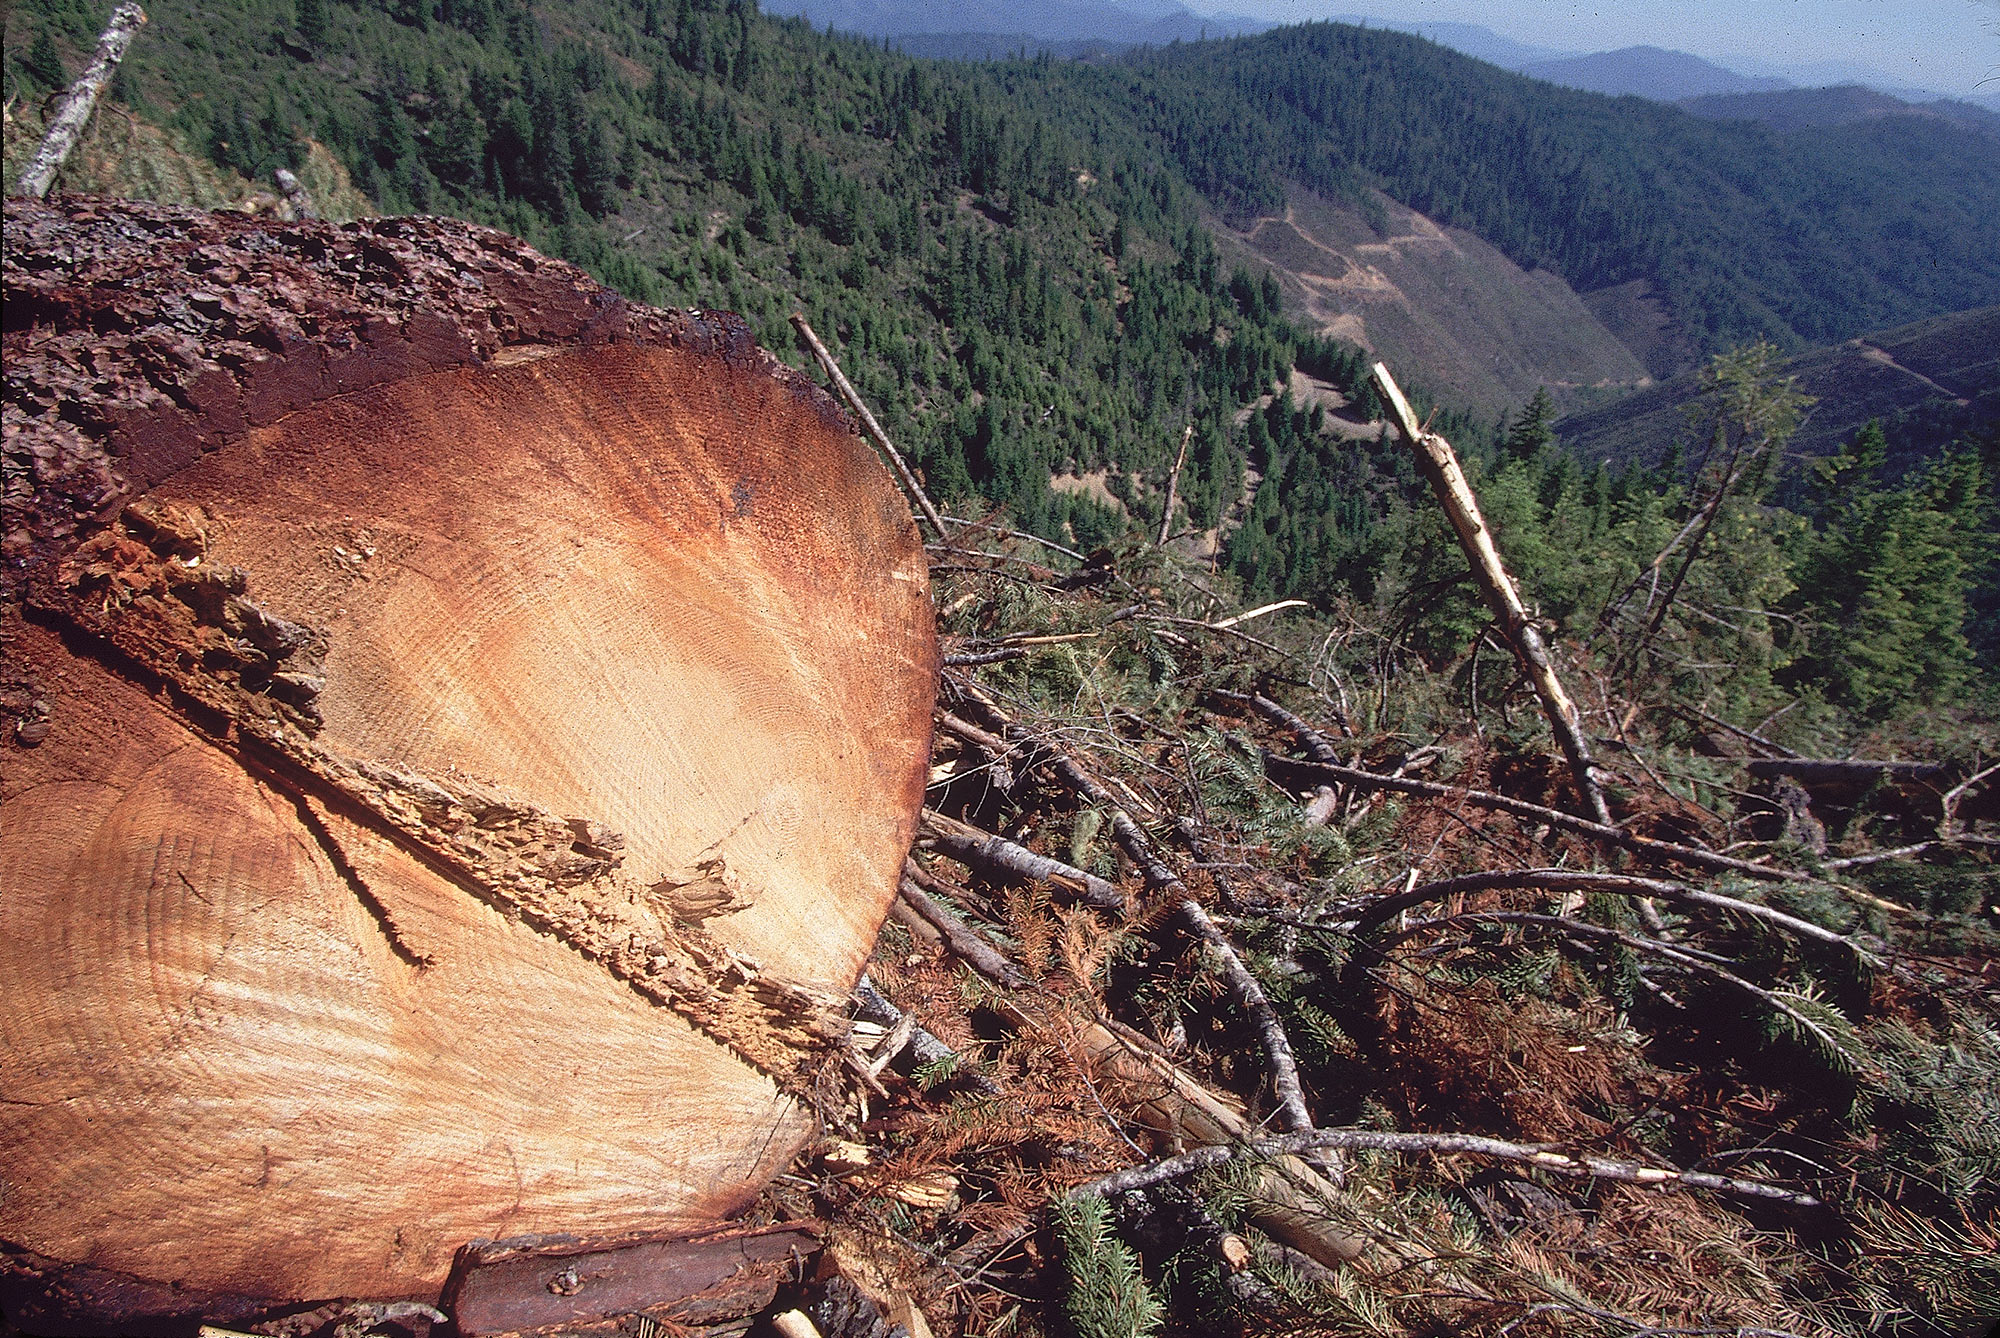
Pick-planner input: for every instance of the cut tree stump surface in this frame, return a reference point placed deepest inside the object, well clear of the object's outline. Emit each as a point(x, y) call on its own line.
point(465, 730)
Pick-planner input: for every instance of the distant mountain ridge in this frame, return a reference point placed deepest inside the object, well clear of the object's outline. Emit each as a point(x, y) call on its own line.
point(1947, 366)
point(1792, 109)
point(1647, 72)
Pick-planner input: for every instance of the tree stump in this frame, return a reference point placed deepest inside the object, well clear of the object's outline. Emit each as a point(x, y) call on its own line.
point(463, 731)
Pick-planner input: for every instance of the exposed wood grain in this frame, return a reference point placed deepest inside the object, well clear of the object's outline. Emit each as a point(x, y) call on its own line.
point(472, 752)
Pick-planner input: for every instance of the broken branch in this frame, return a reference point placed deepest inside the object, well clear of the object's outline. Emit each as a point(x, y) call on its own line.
point(1202, 1159)
point(74, 111)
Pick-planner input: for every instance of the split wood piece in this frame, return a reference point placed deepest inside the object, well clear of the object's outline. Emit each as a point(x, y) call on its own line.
point(73, 113)
point(524, 1285)
point(476, 763)
point(1294, 1203)
point(1473, 1145)
point(871, 1005)
point(1454, 494)
point(1383, 909)
point(1287, 771)
point(873, 428)
point(996, 749)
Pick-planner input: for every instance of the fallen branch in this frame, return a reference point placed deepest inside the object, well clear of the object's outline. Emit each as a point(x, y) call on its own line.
point(1473, 1145)
point(1189, 915)
point(873, 428)
point(1322, 772)
point(1617, 884)
point(978, 849)
point(1748, 736)
point(962, 939)
point(871, 1005)
point(1315, 744)
point(73, 113)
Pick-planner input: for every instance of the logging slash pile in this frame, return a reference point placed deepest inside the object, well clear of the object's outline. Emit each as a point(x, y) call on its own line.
point(1241, 971)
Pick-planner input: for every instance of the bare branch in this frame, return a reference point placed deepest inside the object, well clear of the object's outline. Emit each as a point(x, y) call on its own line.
point(1472, 1145)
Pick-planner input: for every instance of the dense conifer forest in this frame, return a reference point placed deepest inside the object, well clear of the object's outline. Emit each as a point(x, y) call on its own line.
point(1011, 260)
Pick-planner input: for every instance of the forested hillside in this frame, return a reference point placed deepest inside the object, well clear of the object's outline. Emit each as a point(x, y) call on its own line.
point(1016, 275)
point(1746, 233)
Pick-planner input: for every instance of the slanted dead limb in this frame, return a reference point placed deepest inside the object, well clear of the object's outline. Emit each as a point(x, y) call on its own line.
point(1470, 1145)
point(1454, 494)
point(962, 939)
point(1174, 485)
point(1188, 915)
point(1310, 739)
point(918, 497)
point(73, 113)
point(983, 850)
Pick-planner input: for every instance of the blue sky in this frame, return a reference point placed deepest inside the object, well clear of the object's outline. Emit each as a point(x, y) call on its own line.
point(1952, 46)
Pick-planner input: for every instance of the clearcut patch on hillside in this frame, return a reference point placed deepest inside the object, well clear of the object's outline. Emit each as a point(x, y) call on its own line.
point(1486, 331)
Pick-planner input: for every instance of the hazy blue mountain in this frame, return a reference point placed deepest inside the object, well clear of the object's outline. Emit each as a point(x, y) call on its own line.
point(1792, 109)
point(1648, 72)
point(1826, 73)
point(1469, 39)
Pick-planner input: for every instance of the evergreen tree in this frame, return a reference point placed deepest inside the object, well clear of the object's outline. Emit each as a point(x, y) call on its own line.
point(1533, 432)
point(43, 63)
point(312, 20)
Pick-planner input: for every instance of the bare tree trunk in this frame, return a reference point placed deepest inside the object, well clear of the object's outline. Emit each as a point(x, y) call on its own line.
point(77, 104)
point(1454, 494)
point(1174, 484)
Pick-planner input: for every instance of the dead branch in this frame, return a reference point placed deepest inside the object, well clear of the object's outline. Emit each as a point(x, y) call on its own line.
point(1188, 915)
point(1454, 494)
point(1314, 742)
point(1472, 1145)
point(978, 849)
point(73, 113)
point(1174, 484)
point(1282, 768)
point(871, 1005)
point(1948, 823)
point(873, 428)
point(1748, 736)
point(962, 939)
point(1617, 884)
